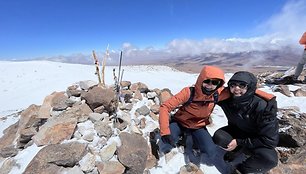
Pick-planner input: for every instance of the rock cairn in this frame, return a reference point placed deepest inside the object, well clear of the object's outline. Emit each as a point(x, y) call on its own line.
point(78, 134)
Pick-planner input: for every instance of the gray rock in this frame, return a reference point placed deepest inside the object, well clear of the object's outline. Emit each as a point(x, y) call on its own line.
point(133, 152)
point(98, 96)
point(8, 152)
point(143, 110)
point(87, 163)
point(52, 158)
point(143, 88)
point(110, 167)
point(85, 85)
point(103, 129)
point(55, 131)
point(9, 136)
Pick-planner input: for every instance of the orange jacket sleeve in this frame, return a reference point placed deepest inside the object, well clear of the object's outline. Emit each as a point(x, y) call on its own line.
point(303, 39)
point(225, 94)
point(169, 105)
point(264, 95)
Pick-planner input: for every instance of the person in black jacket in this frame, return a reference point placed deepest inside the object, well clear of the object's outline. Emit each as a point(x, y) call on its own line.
point(252, 126)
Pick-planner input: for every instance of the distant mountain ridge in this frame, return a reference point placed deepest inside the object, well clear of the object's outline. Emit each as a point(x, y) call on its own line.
point(248, 60)
point(253, 60)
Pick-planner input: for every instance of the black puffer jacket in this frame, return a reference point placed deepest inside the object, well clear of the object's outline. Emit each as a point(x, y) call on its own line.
point(248, 113)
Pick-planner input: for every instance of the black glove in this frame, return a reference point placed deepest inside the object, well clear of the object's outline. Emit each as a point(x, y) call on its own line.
point(168, 139)
point(271, 108)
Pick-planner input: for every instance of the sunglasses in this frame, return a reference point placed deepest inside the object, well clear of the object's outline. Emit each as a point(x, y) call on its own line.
point(212, 81)
point(241, 85)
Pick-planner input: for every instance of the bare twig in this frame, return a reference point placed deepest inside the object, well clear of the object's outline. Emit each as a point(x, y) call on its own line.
point(106, 55)
point(97, 66)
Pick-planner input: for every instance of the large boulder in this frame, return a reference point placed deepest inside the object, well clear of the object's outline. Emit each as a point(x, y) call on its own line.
point(53, 158)
point(55, 130)
point(133, 152)
point(99, 96)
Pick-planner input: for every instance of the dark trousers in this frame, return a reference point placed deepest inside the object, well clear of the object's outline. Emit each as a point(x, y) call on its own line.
point(210, 154)
point(259, 160)
point(201, 137)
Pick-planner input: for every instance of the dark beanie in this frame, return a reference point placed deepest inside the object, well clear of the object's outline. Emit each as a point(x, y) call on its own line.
point(244, 76)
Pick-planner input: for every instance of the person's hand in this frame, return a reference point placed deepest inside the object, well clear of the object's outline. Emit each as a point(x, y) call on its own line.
point(168, 139)
point(232, 145)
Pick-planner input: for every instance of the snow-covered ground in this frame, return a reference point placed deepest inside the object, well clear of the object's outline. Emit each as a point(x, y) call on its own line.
point(26, 83)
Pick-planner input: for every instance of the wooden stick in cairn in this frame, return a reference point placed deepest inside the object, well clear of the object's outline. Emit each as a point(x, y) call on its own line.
point(106, 56)
point(97, 67)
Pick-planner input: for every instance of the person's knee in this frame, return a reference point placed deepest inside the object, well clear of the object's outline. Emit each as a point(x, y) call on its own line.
point(211, 152)
point(208, 149)
point(222, 138)
point(271, 160)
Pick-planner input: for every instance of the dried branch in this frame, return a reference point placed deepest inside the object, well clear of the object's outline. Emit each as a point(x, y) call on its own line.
point(106, 55)
point(97, 66)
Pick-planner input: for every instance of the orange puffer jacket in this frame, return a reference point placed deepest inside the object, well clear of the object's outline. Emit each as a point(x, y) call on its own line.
point(303, 40)
point(195, 115)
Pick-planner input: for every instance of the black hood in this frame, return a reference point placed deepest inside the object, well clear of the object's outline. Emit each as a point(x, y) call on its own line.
point(246, 77)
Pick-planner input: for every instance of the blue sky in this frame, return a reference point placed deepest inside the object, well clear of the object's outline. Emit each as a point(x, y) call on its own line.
point(46, 28)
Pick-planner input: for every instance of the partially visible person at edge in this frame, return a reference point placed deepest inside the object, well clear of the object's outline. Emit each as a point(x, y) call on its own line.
point(252, 126)
point(300, 65)
point(194, 117)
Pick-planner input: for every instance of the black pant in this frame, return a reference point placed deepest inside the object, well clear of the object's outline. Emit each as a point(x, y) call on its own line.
point(259, 160)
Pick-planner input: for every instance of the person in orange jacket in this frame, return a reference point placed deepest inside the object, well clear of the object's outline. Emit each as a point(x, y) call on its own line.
point(300, 65)
point(193, 118)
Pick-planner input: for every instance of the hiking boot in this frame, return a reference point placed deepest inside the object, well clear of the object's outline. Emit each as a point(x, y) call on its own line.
point(190, 167)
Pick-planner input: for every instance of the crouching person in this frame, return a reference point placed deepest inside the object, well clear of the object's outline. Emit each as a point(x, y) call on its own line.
point(252, 126)
point(192, 116)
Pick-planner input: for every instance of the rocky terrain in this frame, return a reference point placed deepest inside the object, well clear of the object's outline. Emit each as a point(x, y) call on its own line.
point(85, 129)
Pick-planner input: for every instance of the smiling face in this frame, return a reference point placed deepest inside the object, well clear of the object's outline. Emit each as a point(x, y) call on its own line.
point(211, 84)
point(238, 88)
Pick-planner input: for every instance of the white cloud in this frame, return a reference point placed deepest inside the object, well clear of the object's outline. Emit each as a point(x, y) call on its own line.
point(290, 23)
point(230, 45)
point(187, 47)
point(280, 30)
